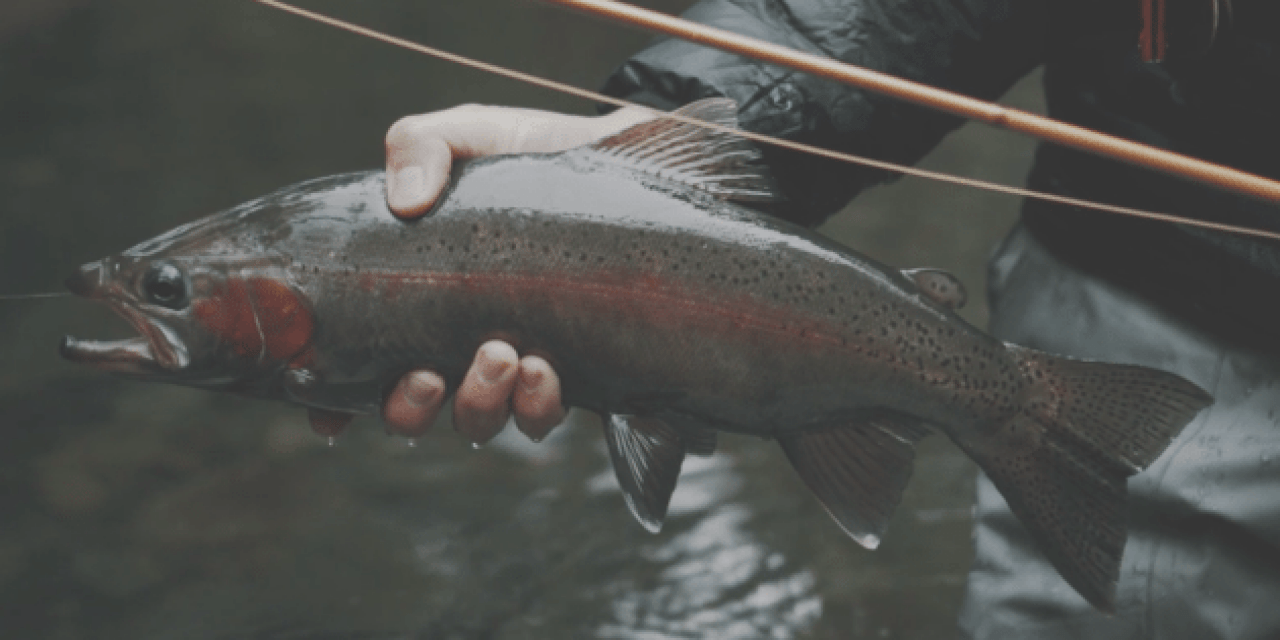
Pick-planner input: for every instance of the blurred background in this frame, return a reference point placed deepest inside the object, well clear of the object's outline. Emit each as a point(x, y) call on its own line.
point(137, 511)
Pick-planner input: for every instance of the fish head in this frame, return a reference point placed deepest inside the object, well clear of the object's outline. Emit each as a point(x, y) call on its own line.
point(155, 298)
point(204, 322)
point(213, 302)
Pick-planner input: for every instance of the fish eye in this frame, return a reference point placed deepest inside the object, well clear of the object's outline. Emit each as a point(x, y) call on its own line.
point(165, 286)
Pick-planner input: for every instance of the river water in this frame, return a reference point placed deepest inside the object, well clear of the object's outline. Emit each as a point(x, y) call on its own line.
point(142, 511)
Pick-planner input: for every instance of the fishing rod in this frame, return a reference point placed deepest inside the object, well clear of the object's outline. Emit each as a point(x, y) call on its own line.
point(993, 114)
point(1069, 135)
point(561, 87)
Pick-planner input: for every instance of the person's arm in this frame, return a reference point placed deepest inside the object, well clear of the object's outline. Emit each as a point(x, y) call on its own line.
point(974, 47)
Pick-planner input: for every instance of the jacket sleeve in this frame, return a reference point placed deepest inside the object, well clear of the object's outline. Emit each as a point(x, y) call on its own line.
point(974, 47)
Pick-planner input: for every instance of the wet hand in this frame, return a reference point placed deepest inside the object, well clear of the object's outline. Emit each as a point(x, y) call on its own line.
point(420, 151)
point(421, 148)
point(498, 384)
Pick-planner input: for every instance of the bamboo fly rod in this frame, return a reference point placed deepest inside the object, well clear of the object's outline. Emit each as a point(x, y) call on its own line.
point(789, 144)
point(1069, 135)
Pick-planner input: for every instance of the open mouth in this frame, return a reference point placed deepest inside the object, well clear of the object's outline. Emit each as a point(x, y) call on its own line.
point(152, 351)
point(130, 355)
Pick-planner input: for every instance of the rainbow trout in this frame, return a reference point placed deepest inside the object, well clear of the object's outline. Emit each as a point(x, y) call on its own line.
point(665, 306)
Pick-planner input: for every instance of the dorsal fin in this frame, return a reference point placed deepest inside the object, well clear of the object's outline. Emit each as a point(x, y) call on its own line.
point(720, 163)
point(939, 286)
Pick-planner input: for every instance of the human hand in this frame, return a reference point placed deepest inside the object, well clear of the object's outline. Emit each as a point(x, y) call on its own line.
point(420, 151)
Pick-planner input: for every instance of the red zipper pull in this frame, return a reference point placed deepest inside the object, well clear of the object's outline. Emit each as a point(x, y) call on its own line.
point(1152, 43)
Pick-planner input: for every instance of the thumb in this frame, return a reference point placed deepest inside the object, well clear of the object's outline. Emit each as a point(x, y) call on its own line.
point(417, 171)
point(421, 150)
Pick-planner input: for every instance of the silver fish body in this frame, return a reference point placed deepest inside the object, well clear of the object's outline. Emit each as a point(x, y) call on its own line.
point(662, 304)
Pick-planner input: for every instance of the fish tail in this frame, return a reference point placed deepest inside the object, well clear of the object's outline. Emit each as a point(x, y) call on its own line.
point(1062, 461)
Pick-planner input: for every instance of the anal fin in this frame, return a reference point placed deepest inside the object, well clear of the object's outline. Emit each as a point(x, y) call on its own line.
point(647, 454)
point(857, 471)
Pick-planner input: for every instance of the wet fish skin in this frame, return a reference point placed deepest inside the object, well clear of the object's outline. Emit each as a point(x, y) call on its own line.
point(662, 304)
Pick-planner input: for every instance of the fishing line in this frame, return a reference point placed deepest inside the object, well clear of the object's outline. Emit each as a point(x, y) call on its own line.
point(28, 296)
point(561, 87)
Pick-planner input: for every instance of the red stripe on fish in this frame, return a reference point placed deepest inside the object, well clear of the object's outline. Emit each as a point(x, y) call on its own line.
point(628, 295)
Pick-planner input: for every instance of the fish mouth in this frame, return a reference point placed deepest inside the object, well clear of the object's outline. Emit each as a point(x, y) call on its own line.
point(155, 350)
point(131, 356)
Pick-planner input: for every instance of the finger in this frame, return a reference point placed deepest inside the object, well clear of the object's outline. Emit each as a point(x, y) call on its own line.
point(417, 170)
point(414, 404)
point(536, 402)
point(421, 150)
point(483, 403)
point(329, 424)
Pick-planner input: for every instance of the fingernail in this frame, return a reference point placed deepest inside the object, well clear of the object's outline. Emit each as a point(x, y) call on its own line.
point(530, 381)
point(408, 186)
point(491, 368)
point(418, 392)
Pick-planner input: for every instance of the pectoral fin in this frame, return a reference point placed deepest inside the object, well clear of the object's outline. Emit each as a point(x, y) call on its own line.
point(939, 286)
point(647, 454)
point(857, 471)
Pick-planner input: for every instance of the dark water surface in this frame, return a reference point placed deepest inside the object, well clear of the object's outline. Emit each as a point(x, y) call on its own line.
point(136, 511)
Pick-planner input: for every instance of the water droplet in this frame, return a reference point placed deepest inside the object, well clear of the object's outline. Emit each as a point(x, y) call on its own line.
point(412, 442)
point(475, 445)
point(332, 441)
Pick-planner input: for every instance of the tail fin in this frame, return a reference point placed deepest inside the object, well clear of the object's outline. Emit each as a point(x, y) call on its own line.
point(1062, 461)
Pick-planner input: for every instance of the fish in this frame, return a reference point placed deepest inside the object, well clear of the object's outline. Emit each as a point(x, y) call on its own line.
point(643, 269)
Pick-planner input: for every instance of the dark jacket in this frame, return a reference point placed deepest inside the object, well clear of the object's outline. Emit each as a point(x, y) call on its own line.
point(1221, 107)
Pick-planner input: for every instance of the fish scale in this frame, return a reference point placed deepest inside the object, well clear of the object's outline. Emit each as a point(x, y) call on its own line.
point(665, 305)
